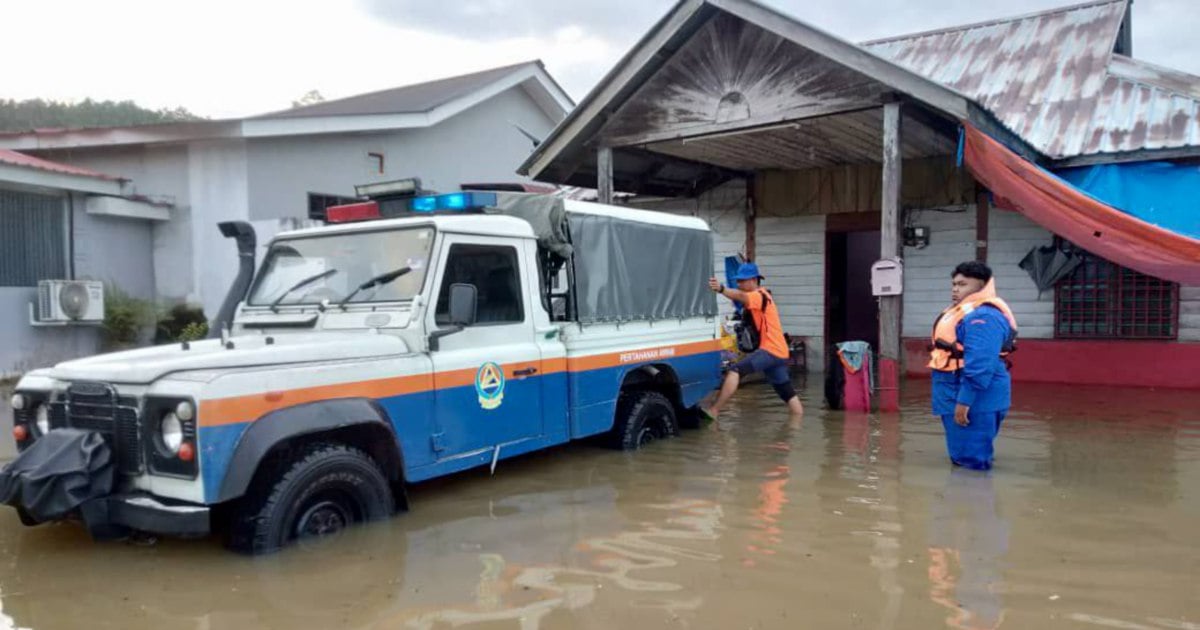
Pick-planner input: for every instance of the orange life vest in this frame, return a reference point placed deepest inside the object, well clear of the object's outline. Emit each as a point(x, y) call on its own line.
point(945, 351)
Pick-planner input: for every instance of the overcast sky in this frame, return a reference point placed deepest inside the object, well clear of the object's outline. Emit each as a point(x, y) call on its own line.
point(227, 58)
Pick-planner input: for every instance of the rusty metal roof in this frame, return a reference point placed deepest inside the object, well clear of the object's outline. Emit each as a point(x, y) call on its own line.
point(1053, 79)
point(13, 158)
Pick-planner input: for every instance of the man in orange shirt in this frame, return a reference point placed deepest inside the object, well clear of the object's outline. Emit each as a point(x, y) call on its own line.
point(771, 354)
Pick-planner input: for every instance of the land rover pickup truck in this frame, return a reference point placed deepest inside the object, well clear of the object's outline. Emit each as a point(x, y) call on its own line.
point(386, 348)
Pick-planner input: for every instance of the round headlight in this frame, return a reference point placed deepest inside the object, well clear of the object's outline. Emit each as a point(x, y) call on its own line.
point(18, 402)
point(185, 411)
point(170, 433)
point(42, 419)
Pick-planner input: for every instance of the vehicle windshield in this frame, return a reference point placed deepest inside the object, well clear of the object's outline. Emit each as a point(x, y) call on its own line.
point(335, 265)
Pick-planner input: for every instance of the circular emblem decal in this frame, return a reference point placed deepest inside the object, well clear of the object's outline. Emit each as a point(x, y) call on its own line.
point(489, 385)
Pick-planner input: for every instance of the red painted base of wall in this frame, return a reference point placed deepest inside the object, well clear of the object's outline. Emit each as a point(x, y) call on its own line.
point(1125, 363)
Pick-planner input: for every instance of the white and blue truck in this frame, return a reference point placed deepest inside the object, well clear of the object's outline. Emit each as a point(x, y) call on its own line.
point(408, 339)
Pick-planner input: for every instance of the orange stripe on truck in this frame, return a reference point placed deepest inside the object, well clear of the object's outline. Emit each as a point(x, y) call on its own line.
point(238, 409)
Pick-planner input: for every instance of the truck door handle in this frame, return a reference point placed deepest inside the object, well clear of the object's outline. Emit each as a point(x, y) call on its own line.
point(525, 372)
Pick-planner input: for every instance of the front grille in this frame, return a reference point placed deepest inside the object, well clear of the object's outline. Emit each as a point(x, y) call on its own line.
point(129, 441)
point(96, 407)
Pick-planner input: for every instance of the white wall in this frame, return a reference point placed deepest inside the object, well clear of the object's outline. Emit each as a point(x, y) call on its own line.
point(1010, 237)
point(116, 250)
point(155, 171)
point(218, 192)
point(478, 145)
point(1189, 314)
point(790, 252)
point(952, 241)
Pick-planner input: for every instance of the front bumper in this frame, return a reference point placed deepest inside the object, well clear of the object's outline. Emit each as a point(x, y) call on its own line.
point(114, 515)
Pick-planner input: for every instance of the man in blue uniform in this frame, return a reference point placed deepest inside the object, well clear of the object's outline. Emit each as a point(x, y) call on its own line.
point(972, 389)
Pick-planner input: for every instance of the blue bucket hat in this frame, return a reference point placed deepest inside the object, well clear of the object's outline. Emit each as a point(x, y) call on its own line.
point(748, 271)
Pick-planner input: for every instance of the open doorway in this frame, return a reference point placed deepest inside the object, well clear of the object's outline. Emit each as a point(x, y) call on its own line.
point(851, 312)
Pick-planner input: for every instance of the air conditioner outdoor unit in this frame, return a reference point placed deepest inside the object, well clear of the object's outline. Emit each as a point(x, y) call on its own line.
point(70, 301)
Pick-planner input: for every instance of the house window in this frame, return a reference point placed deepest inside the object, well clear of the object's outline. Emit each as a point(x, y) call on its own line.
point(318, 203)
point(33, 241)
point(1103, 300)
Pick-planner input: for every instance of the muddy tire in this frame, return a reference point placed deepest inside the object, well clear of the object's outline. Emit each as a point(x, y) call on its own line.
point(642, 418)
point(324, 489)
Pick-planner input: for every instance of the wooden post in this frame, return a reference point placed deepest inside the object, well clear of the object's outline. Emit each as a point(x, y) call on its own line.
point(604, 174)
point(981, 226)
point(751, 217)
point(890, 244)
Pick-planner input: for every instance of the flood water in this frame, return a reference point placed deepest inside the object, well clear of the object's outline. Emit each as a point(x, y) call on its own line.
point(1091, 519)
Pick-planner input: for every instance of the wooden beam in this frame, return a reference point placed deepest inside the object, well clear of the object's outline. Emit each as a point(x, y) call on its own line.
point(891, 242)
point(981, 225)
point(751, 216)
point(712, 131)
point(604, 174)
point(1141, 155)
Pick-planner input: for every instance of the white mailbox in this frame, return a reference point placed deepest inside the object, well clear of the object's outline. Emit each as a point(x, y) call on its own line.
point(887, 277)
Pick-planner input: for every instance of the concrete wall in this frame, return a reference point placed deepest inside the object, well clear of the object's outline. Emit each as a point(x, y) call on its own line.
point(157, 171)
point(217, 177)
point(118, 251)
point(24, 347)
point(113, 250)
point(477, 145)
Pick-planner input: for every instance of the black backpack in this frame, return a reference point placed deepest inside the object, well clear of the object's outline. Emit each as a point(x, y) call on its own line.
point(749, 338)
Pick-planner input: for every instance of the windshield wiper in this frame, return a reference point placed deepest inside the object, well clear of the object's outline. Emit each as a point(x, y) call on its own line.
point(305, 282)
point(377, 281)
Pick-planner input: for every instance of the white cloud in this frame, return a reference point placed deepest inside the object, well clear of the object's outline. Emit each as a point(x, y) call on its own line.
point(237, 57)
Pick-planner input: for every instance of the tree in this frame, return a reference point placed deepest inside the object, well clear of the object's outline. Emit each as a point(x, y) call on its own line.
point(39, 113)
point(311, 97)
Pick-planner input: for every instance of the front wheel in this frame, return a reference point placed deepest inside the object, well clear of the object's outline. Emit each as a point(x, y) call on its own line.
point(315, 496)
point(642, 418)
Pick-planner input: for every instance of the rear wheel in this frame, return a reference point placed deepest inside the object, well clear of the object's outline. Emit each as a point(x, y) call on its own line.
point(642, 418)
point(314, 496)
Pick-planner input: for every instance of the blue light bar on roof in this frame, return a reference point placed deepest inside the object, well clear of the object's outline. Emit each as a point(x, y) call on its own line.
point(454, 202)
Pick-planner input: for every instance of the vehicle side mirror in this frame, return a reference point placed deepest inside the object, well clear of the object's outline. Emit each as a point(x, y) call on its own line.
point(464, 299)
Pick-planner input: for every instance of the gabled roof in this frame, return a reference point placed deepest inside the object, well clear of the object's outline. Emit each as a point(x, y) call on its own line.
point(802, 59)
point(408, 99)
point(412, 106)
point(1056, 85)
point(1054, 79)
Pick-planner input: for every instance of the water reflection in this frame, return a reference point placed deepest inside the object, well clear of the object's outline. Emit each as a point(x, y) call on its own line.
point(837, 521)
point(968, 537)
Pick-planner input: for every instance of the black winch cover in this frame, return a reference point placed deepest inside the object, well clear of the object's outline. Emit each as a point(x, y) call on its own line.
point(57, 473)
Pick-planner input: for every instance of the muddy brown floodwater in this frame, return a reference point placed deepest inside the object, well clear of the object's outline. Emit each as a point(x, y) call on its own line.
point(1091, 519)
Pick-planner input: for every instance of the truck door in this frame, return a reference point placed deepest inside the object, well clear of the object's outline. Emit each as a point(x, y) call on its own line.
point(486, 378)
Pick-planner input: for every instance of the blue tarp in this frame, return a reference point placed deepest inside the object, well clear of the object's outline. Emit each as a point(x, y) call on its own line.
point(1160, 193)
point(731, 266)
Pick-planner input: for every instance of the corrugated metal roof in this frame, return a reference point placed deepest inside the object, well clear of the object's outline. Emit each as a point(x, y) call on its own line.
point(1143, 106)
point(417, 98)
point(14, 158)
point(1052, 78)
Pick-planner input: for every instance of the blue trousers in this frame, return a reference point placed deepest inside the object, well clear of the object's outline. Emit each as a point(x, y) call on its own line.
point(971, 446)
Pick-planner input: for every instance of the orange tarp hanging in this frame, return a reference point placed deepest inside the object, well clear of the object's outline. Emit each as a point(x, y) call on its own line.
point(1056, 205)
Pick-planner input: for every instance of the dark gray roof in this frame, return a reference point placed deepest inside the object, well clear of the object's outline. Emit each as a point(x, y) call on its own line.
point(409, 99)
